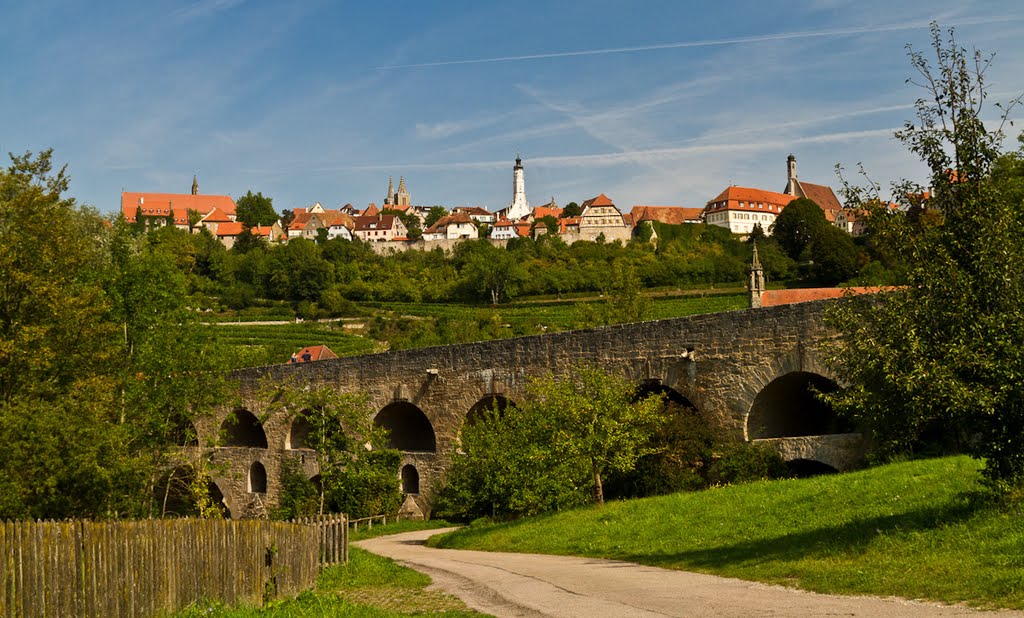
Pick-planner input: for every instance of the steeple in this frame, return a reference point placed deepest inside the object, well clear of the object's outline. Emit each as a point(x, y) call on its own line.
point(402, 197)
point(195, 185)
point(792, 184)
point(519, 207)
point(756, 280)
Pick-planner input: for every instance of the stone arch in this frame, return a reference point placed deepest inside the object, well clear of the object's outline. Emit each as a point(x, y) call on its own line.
point(669, 394)
point(804, 468)
point(409, 428)
point(257, 479)
point(487, 403)
point(299, 434)
point(218, 499)
point(410, 480)
point(788, 407)
point(242, 428)
point(174, 493)
point(183, 431)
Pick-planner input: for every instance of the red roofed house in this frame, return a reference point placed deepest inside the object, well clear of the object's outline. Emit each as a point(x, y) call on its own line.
point(379, 228)
point(228, 233)
point(480, 215)
point(599, 217)
point(452, 227)
point(156, 208)
point(314, 352)
point(503, 230)
point(740, 208)
point(671, 215)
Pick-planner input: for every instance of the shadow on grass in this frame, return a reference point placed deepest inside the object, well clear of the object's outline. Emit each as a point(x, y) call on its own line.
point(845, 539)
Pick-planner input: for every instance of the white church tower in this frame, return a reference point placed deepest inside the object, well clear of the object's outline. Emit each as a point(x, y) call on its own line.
point(519, 207)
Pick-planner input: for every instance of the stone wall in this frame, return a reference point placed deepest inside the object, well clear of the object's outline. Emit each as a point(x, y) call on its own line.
point(719, 362)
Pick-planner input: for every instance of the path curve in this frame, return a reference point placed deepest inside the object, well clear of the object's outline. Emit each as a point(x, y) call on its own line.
point(506, 584)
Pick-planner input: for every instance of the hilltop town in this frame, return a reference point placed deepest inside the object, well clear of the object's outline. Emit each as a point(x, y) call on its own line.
point(397, 224)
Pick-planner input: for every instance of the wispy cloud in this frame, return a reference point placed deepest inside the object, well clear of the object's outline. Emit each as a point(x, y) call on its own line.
point(203, 8)
point(781, 36)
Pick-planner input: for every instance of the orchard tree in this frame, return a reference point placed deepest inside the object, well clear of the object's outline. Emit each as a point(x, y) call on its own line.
point(254, 209)
point(945, 353)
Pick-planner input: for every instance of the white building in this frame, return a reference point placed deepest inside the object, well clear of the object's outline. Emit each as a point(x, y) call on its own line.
point(519, 207)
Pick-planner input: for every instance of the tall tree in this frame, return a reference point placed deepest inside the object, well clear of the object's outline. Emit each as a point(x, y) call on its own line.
point(255, 209)
point(945, 353)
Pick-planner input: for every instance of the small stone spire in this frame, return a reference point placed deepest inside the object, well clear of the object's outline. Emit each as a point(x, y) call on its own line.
point(401, 184)
point(756, 280)
point(195, 185)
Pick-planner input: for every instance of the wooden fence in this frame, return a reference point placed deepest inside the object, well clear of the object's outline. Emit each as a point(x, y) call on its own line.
point(354, 523)
point(145, 568)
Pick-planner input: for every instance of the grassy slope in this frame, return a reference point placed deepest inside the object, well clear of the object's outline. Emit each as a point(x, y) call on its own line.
point(368, 586)
point(907, 529)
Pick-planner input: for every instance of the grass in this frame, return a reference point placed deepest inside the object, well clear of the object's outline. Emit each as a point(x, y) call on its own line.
point(369, 586)
point(915, 529)
point(408, 525)
point(266, 344)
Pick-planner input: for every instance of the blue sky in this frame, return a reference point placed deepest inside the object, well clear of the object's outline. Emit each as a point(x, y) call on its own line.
point(648, 102)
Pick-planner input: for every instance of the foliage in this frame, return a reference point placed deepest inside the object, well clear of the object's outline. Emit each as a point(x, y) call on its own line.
point(945, 354)
point(551, 451)
point(98, 354)
point(826, 253)
point(913, 529)
point(572, 209)
point(357, 472)
point(434, 215)
point(255, 209)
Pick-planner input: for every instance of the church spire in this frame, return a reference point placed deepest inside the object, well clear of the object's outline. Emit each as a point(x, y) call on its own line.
point(195, 185)
point(756, 280)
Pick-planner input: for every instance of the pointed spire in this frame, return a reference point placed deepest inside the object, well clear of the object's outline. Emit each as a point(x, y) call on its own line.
point(756, 280)
point(195, 185)
point(756, 263)
point(401, 184)
point(391, 186)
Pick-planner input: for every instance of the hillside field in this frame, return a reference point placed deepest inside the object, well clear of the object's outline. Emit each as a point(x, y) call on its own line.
point(919, 529)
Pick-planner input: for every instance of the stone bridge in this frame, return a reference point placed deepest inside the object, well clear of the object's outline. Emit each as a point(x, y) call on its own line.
point(751, 371)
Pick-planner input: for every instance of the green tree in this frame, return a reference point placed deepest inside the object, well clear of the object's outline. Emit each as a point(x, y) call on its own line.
point(255, 209)
point(357, 470)
point(944, 354)
point(435, 214)
point(799, 223)
point(553, 450)
point(492, 272)
point(572, 209)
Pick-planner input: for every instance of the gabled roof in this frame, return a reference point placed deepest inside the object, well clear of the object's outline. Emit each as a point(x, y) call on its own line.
point(234, 228)
point(473, 210)
point(503, 222)
point(158, 204)
point(545, 211)
point(750, 198)
point(822, 195)
point(316, 352)
point(672, 215)
point(336, 218)
point(523, 228)
point(375, 222)
point(371, 210)
point(217, 216)
point(600, 200)
point(445, 221)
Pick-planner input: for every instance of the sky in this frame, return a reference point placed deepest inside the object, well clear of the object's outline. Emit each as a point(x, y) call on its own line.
point(649, 102)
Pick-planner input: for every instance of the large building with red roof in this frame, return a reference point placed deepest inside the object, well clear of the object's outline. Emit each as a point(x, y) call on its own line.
point(156, 209)
point(739, 209)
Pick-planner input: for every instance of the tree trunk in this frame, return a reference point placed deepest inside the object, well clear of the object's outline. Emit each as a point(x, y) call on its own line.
point(598, 488)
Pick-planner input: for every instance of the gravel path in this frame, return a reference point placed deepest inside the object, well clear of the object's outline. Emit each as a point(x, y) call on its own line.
point(505, 584)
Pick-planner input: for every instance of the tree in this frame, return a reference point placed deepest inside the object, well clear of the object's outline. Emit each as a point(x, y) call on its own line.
point(408, 219)
point(254, 210)
point(357, 470)
point(944, 354)
point(435, 214)
point(549, 222)
point(287, 216)
point(826, 253)
point(799, 223)
point(492, 271)
point(572, 209)
point(554, 449)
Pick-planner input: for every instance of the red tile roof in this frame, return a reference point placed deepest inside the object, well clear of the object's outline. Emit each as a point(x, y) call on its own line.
point(822, 195)
point(375, 222)
point(672, 215)
point(445, 221)
point(744, 198)
point(159, 204)
point(770, 298)
point(217, 216)
point(316, 353)
point(600, 200)
point(544, 211)
point(234, 228)
point(371, 210)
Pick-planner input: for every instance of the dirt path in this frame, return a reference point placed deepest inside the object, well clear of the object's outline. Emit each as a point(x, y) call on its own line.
point(506, 584)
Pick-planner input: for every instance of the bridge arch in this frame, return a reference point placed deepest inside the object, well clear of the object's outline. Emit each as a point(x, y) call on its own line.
point(257, 479)
point(410, 480)
point(242, 428)
point(788, 407)
point(174, 493)
point(409, 428)
point(487, 403)
point(299, 434)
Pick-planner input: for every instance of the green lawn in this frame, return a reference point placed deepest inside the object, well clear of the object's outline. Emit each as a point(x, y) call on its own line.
point(369, 586)
point(915, 529)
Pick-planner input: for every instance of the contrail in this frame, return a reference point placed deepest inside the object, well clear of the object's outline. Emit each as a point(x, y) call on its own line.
point(782, 36)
